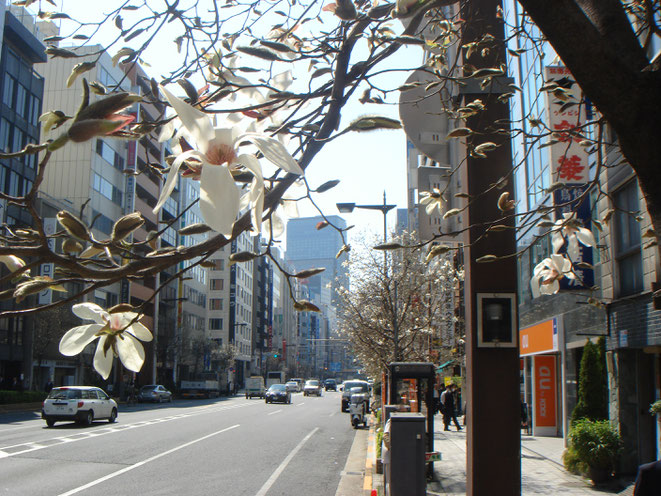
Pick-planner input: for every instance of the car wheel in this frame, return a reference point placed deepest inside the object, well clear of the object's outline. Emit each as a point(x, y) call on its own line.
point(113, 416)
point(89, 418)
point(50, 422)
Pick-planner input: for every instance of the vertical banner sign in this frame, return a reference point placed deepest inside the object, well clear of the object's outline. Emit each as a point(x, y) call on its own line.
point(569, 160)
point(46, 296)
point(545, 390)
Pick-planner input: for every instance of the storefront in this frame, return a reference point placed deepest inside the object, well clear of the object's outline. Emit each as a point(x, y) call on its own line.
point(539, 346)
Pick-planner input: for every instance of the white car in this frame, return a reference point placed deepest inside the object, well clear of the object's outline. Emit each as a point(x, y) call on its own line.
point(312, 387)
point(292, 387)
point(82, 404)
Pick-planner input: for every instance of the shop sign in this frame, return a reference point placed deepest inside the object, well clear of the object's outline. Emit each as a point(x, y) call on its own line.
point(539, 338)
point(545, 391)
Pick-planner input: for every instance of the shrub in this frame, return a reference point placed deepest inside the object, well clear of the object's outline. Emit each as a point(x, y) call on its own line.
point(573, 463)
point(596, 443)
point(592, 388)
point(655, 408)
point(10, 397)
point(379, 438)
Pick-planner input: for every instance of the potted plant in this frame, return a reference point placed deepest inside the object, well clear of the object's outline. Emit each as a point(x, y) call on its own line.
point(596, 443)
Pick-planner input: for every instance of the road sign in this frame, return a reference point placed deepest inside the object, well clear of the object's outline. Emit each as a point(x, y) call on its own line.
point(433, 456)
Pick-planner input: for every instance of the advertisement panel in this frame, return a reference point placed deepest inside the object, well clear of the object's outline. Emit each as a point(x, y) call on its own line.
point(539, 338)
point(545, 391)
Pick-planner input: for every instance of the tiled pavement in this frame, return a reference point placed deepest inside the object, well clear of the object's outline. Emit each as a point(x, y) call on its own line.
point(541, 468)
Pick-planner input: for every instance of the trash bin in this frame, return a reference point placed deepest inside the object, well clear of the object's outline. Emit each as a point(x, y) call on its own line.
point(405, 475)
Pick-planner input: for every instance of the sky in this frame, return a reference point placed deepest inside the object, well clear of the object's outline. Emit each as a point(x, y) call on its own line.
point(367, 164)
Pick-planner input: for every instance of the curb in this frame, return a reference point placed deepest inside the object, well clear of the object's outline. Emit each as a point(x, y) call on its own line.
point(20, 407)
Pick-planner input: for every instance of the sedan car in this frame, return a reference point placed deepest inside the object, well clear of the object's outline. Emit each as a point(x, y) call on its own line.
point(82, 404)
point(292, 387)
point(155, 393)
point(330, 385)
point(277, 393)
point(312, 387)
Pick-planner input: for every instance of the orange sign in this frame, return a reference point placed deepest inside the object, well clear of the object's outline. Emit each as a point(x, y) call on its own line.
point(540, 338)
point(545, 390)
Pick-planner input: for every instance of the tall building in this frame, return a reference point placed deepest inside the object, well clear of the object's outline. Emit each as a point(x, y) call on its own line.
point(22, 90)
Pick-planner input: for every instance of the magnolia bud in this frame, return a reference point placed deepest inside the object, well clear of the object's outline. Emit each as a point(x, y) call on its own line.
point(126, 225)
point(73, 225)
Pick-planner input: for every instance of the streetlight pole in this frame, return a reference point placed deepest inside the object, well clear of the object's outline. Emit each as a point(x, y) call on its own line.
point(384, 209)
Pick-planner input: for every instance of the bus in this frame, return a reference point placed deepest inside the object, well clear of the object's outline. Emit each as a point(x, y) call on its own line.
point(275, 377)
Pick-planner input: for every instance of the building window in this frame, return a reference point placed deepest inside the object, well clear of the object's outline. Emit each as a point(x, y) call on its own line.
point(109, 154)
point(9, 85)
point(217, 284)
point(104, 187)
point(627, 240)
point(5, 135)
point(101, 222)
point(216, 324)
point(215, 303)
point(218, 264)
point(21, 100)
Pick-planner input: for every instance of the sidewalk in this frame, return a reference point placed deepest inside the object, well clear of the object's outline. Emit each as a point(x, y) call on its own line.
point(542, 471)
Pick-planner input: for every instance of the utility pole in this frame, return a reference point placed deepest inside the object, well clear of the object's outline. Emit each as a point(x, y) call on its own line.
point(493, 464)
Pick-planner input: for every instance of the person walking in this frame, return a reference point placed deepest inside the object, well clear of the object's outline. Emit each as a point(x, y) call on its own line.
point(648, 482)
point(448, 402)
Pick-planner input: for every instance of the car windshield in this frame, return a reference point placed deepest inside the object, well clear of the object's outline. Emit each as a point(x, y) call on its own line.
point(312, 383)
point(148, 388)
point(64, 394)
point(330, 381)
point(362, 385)
point(292, 383)
point(277, 387)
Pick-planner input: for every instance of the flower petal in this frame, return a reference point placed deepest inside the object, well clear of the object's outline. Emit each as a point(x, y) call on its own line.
point(90, 311)
point(274, 151)
point(572, 248)
point(557, 240)
point(103, 361)
point(534, 286)
point(219, 199)
point(131, 352)
point(173, 175)
point(196, 122)
point(76, 338)
point(12, 262)
point(585, 236)
point(551, 288)
point(141, 332)
point(256, 194)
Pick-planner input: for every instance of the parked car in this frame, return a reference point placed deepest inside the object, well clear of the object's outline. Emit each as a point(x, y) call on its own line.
point(312, 387)
point(330, 385)
point(82, 404)
point(293, 387)
point(346, 392)
point(155, 393)
point(278, 393)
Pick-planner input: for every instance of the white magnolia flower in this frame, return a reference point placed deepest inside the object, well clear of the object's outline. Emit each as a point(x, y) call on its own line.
point(287, 208)
point(432, 200)
point(12, 262)
point(570, 227)
point(547, 274)
point(214, 156)
point(116, 337)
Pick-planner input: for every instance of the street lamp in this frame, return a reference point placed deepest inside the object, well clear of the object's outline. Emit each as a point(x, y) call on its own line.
point(347, 208)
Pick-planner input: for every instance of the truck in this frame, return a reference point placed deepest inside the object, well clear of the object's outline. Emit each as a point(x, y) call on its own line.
point(199, 389)
point(255, 387)
point(275, 377)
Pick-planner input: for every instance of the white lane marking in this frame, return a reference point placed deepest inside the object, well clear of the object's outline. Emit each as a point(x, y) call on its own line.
point(79, 436)
point(273, 413)
point(274, 476)
point(144, 462)
point(300, 404)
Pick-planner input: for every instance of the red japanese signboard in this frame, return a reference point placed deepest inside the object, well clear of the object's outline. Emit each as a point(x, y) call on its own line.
point(566, 116)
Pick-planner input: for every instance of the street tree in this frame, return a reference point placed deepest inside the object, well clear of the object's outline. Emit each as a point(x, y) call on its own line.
point(241, 125)
point(401, 311)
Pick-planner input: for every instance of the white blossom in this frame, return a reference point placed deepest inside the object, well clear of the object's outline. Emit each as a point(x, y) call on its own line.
point(212, 161)
point(432, 200)
point(547, 274)
point(119, 334)
point(570, 228)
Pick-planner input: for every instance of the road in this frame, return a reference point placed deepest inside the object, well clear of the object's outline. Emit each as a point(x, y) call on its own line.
point(227, 446)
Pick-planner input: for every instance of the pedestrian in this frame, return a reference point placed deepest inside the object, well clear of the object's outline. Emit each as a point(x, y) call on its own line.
point(49, 385)
point(448, 400)
point(648, 481)
point(437, 400)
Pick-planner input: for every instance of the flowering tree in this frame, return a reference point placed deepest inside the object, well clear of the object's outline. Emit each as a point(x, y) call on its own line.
point(241, 127)
point(403, 312)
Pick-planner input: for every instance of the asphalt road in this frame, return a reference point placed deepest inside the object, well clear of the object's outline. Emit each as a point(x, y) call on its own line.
point(226, 447)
